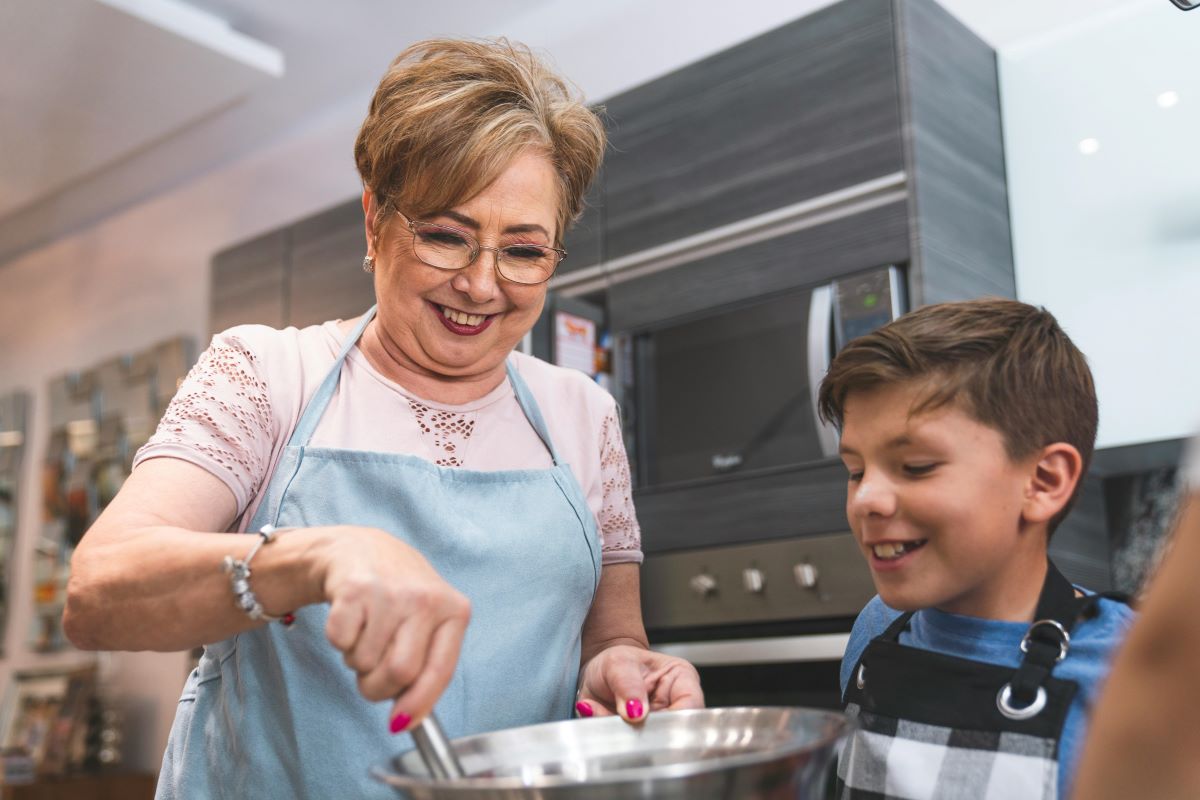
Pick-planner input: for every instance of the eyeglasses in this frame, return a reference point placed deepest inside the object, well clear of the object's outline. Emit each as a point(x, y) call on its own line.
point(444, 247)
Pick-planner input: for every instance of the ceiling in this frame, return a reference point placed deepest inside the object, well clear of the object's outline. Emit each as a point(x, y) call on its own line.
point(74, 122)
point(118, 100)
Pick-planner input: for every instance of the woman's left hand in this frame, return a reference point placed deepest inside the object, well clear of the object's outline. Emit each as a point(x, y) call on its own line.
point(632, 681)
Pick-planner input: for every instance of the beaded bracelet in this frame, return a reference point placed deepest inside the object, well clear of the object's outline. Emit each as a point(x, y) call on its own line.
point(238, 570)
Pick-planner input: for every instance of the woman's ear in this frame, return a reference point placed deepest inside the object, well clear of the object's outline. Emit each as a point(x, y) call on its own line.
point(1055, 473)
point(369, 208)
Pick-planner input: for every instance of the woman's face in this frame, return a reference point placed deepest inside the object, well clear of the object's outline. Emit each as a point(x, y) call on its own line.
point(464, 323)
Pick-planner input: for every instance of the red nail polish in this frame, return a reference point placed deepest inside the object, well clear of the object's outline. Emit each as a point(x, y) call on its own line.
point(633, 708)
point(584, 709)
point(400, 723)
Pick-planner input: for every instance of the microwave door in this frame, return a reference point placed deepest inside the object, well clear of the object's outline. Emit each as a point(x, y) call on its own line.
point(733, 391)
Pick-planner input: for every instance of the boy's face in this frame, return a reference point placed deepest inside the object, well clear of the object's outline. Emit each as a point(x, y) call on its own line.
point(937, 507)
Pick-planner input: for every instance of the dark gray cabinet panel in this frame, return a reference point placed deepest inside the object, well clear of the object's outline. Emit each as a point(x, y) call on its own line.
point(584, 242)
point(1080, 546)
point(798, 112)
point(248, 284)
point(300, 275)
point(327, 280)
point(775, 506)
point(956, 172)
point(809, 256)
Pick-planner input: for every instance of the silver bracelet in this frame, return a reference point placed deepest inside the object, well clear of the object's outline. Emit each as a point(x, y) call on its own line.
point(238, 570)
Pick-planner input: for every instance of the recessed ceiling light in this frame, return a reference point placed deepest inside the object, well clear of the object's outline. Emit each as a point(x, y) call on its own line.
point(1089, 146)
point(1168, 99)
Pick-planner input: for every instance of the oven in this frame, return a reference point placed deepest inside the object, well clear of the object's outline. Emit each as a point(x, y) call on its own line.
point(765, 623)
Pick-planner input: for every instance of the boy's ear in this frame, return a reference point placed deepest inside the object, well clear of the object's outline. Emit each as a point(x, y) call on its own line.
point(1056, 471)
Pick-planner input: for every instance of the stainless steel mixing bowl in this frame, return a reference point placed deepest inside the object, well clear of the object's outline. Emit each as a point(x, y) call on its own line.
point(709, 754)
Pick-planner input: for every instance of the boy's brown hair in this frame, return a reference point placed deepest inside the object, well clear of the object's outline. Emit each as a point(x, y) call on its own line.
point(1006, 364)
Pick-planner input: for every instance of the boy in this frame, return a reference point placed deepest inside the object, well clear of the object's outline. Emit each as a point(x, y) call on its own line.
point(966, 429)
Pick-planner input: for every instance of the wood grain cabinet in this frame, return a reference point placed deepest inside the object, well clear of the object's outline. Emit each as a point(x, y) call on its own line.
point(300, 275)
point(326, 279)
point(811, 116)
point(249, 283)
point(798, 112)
point(584, 242)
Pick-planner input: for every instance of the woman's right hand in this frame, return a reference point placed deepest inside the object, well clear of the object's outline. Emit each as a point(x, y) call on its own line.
point(398, 624)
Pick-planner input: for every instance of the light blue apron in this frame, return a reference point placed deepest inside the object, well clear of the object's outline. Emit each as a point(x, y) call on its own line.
point(275, 712)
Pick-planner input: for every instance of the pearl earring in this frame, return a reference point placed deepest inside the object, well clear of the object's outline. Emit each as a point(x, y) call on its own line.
point(368, 263)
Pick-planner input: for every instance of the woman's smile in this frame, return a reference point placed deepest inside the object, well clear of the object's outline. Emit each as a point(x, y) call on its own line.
point(462, 323)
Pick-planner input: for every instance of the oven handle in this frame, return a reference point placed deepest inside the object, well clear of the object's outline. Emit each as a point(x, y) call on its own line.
point(820, 353)
point(776, 650)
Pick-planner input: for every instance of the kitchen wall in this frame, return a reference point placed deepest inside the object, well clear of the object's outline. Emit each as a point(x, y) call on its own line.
point(1107, 237)
point(142, 275)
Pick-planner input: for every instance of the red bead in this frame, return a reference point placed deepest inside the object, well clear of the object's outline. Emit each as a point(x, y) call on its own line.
point(288, 619)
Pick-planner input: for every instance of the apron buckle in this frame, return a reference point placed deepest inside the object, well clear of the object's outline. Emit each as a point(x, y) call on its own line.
point(1064, 638)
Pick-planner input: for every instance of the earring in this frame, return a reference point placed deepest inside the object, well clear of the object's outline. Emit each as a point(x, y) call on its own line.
point(368, 263)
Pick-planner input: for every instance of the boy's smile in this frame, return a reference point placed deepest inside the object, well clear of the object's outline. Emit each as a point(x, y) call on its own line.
point(938, 507)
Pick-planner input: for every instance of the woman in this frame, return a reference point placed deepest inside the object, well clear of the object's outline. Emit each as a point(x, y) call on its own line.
point(416, 528)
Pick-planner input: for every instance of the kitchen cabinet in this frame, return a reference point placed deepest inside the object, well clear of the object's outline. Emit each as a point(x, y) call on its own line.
point(809, 256)
point(299, 275)
point(798, 112)
point(248, 283)
point(584, 242)
point(810, 123)
point(325, 278)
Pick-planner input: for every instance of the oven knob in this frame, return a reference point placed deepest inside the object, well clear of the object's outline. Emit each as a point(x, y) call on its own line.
point(703, 584)
point(806, 575)
point(753, 580)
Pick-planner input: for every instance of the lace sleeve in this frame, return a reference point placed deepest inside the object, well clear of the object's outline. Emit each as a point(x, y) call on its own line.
point(621, 539)
point(220, 419)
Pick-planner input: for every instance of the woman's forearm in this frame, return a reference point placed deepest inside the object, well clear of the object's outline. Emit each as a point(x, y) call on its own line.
point(163, 588)
point(616, 614)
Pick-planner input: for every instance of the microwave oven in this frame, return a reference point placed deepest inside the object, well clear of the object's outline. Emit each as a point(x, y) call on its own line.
point(732, 390)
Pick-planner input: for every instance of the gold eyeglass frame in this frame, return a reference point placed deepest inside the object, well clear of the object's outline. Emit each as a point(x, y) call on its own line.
point(478, 248)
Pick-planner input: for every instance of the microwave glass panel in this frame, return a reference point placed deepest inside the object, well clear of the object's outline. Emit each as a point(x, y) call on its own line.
point(727, 393)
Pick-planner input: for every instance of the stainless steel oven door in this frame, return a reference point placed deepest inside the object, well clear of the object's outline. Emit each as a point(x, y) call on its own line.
point(765, 622)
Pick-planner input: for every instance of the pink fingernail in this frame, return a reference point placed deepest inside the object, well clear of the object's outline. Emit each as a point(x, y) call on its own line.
point(584, 708)
point(400, 722)
point(633, 708)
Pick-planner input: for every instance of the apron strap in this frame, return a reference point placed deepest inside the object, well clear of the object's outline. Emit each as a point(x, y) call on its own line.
point(1048, 639)
point(532, 411)
point(316, 405)
point(898, 626)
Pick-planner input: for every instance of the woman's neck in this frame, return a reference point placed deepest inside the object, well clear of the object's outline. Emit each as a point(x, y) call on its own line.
point(390, 360)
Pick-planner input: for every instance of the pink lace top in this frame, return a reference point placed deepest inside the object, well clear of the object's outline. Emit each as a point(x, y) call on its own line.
point(236, 409)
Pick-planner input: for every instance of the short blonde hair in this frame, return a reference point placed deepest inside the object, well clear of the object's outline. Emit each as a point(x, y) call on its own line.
point(450, 115)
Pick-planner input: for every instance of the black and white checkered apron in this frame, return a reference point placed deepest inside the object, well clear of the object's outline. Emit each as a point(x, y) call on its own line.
point(938, 727)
